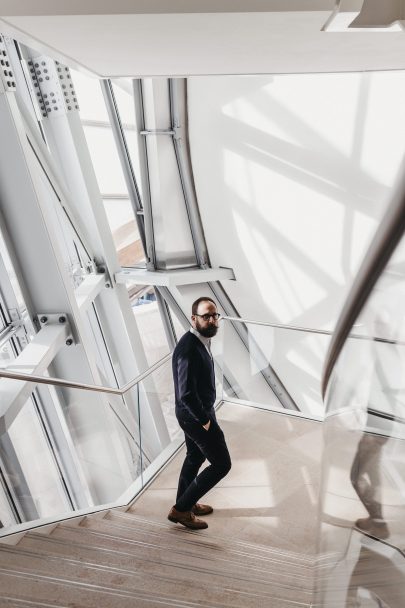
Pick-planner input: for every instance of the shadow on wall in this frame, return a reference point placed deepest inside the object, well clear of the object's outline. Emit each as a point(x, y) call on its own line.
point(293, 174)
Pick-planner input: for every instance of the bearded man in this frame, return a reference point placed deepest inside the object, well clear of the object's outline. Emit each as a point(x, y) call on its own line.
point(194, 383)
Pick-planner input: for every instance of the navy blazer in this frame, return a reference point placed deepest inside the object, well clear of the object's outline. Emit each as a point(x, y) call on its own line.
point(194, 379)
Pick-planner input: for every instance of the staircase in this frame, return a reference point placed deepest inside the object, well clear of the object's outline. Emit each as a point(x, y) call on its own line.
point(259, 550)
point(117, 558)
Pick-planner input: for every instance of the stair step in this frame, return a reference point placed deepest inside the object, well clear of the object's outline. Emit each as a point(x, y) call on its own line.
point(79, 572)
point(163, 527)
point(9, 602)
point(189, 543)
point(92, 545)
point(45, 588)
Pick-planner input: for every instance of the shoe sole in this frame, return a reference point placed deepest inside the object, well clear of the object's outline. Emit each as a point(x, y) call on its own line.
point(202, 514)
point(176, 521)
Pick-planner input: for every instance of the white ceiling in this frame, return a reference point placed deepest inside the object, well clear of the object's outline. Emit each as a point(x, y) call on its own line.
point(122, 39)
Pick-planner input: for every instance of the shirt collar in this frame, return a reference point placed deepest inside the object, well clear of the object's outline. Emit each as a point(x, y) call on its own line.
point(203, 339)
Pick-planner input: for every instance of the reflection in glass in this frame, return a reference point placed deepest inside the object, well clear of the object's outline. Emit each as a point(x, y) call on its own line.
point(125, 232)
point(363, 477)
point(146, 312)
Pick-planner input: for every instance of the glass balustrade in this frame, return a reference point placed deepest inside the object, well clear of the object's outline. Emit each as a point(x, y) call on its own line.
point(362, 535)
point(271, 366)
point(82, 449)
point(97, 448)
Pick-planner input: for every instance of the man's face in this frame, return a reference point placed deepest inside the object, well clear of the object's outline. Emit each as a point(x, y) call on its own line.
point(207, 327)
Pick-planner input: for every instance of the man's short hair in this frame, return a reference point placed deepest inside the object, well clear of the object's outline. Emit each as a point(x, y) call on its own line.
point(195, 304)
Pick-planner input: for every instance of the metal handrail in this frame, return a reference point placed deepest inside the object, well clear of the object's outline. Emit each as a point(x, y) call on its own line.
point(80, 385)
point(309, 330)
point(52, 381)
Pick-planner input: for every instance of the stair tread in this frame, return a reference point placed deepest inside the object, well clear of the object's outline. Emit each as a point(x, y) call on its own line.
point(188, 584)
point(183, 567)
point(48, 588)
point(206, 536)
point(182, 538)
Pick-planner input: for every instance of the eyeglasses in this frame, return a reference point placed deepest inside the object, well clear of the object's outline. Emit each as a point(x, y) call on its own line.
point(207, 316)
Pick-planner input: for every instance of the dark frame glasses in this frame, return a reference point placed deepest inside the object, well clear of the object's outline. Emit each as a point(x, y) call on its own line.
point(207, 316)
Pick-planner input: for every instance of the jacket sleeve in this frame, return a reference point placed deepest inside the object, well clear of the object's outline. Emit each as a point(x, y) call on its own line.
point(187, 387)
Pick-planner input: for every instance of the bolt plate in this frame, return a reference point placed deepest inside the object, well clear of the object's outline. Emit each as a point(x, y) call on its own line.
point(53, 87)
point(6, 74)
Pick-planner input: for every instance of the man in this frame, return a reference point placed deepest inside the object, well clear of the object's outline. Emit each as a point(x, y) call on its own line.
point(194, 383)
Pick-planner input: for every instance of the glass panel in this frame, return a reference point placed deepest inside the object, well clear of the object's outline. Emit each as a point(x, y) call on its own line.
point(90, 96)
point(126, 108)
point(6, 354)
point(178, 327)
point(125, 100)
point(248, 368)
point(363, 477)
point(125, 232)
point(12, 277)
point(7, 517)
point(2, 314)
point(105, 434)
point(149, 322)
point(105, 160)
point(157, 406)
point(31, 468)
point(108, 454)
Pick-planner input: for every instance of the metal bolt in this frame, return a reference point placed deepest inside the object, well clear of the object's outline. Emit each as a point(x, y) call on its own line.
point(43, 319)
point(108, 285)
point(62, 319)
point(69, 342)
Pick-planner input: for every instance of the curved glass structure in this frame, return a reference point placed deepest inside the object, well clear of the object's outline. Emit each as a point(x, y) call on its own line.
point(362, 508)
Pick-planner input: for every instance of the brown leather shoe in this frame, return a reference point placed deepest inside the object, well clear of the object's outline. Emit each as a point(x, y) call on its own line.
point(374, 527)
point(200, 509)
point(187, 519)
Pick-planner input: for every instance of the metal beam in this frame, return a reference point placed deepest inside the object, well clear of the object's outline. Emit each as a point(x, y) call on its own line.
point(182, 152)
point(124, 156)
point(171, 278)
point(35, 358)
point(145, 180)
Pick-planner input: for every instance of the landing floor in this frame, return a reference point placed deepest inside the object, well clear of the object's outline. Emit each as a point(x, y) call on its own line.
point(270, 496)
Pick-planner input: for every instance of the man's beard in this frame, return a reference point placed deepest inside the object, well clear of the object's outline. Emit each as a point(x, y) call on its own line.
point(207, 332)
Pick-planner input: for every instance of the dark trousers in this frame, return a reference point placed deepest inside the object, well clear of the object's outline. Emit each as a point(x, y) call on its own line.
point(201, 445)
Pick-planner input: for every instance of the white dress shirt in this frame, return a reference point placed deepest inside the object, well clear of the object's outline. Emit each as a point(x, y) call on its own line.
point(203, 339)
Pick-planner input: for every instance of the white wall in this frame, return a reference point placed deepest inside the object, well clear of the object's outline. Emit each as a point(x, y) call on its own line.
point(293, 174)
